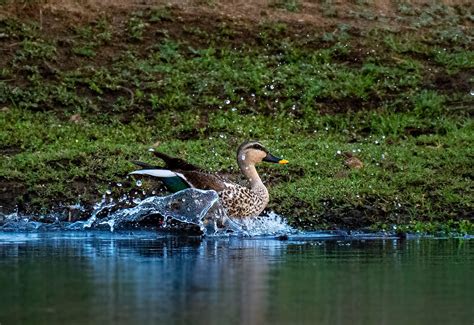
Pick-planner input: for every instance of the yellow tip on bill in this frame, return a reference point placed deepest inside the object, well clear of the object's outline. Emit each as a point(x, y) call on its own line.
point(283, 161)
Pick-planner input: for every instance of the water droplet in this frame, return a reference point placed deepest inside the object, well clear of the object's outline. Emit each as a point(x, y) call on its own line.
point(227, 102)
point(151, 149)
point(138, 183)
point(137, 200)
point(472, 92)
point(108, 192)
point(119, 184)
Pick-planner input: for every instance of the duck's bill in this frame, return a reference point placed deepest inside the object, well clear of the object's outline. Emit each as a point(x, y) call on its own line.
point(271, 158)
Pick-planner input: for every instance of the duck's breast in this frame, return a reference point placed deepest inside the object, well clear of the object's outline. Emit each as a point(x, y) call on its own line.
point(241, 201)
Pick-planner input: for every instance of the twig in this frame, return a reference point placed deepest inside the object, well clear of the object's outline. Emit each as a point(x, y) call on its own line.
point(132, 96)
point(41, 19)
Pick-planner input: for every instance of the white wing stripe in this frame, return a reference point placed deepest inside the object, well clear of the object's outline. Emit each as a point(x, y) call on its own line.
point(157, 173)
point(161, 173)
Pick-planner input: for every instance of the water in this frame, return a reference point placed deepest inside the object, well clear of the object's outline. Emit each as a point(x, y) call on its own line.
point(145, 277)
point(194, 207)
point(251, 271)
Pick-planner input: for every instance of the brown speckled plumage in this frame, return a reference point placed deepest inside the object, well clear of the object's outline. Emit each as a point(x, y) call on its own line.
point(239, 201)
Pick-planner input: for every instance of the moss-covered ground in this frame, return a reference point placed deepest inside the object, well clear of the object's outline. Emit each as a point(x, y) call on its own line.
point(81, 98)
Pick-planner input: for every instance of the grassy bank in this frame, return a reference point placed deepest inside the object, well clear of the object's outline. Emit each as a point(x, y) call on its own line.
point(80, 99)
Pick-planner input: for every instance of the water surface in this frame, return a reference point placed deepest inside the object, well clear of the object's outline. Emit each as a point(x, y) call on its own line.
point(143, 277)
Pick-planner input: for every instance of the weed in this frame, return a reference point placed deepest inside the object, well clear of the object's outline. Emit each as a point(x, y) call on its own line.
point(454, 61)
point(160, 14)
point(428, 103)
point(290, 5)
point(136, 28)
point(86, 51)
point(35, 50)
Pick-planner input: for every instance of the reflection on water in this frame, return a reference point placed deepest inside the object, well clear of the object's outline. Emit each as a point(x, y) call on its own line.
point(142, 277)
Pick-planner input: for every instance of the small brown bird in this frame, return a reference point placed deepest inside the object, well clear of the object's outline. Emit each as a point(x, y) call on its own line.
point(352, 161)
point(239, 201)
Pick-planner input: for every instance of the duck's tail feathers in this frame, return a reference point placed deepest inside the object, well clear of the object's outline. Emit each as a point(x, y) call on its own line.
point(175, 163)
point(160, 173)
point(173, 181)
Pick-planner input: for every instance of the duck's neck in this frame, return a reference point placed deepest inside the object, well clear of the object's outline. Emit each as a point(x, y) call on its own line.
point(254, 179)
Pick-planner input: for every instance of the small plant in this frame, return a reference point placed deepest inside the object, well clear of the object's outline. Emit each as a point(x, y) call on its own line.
point(454, 61)
point(168, 50)
point(428, 103)
point(161, 14)
point(289, 5)
point(136, 27)
point(328, 9)
point(154, 101)
point(86, 51)
point(104, 33)
point(35, 50)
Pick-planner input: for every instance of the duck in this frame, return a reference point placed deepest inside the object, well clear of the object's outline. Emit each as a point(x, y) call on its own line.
point(238, 200)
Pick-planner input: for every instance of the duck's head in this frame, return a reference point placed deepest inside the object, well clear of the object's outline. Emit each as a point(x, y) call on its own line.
point(253, 152)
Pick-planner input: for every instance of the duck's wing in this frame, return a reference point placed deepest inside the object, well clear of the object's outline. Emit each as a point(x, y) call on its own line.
point(178, 174)
point(174, 181)
point(177, 180)
point(207, 181)
point(174, 163)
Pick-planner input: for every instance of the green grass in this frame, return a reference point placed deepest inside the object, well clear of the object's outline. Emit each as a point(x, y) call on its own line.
point(199, 91)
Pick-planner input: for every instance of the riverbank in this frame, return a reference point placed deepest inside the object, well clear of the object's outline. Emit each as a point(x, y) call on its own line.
point(372, 106)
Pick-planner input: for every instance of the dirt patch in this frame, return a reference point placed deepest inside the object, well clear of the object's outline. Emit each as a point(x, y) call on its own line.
point(323, 14)
point(9, 192)
point(460, 82)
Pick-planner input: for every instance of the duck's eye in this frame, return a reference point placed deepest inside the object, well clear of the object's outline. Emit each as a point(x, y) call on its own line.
point(258, 147)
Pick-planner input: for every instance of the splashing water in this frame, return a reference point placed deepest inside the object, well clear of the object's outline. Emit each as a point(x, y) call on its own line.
point(272, 224)
point(190, 206)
